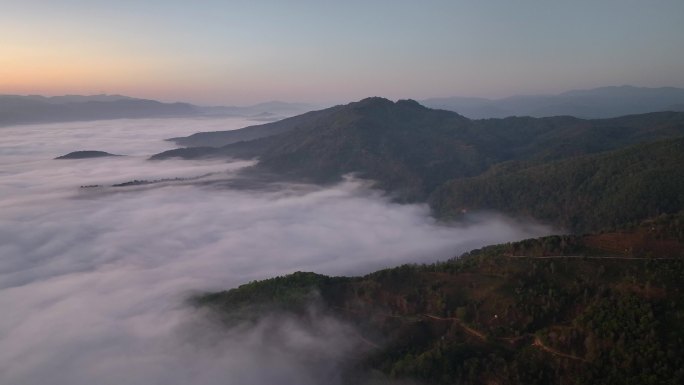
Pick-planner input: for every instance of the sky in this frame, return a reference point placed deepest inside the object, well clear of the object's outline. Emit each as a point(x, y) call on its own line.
point(317, 51)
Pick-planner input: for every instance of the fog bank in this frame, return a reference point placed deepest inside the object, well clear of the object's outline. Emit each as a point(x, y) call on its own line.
point(96, 278)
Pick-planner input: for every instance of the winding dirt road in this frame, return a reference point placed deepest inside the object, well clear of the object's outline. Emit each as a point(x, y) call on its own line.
point(540, 345)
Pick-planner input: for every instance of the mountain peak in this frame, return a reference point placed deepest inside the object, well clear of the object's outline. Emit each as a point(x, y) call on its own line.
point(380, 101)
point(374, 105)
point(373, 101)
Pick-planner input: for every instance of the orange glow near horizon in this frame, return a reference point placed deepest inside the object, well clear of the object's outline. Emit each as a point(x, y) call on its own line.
point(64, 69)
point(221, 53)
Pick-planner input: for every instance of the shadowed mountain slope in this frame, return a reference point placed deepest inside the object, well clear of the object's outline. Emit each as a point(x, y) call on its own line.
point(582, 193)
point(411, 150)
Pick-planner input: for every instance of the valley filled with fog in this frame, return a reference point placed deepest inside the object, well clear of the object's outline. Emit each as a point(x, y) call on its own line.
point(94, 281)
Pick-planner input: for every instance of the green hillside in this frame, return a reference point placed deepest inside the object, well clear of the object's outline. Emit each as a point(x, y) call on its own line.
point(582, 194)
point(605, 308)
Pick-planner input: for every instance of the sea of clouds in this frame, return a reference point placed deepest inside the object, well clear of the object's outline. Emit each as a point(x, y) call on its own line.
point(93, 281)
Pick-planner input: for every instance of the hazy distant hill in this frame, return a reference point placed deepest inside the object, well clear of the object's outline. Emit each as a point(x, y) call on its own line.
point(61, 99)
point(38, 109)
point(267, 111)
point(18, 109)
point(604, 102)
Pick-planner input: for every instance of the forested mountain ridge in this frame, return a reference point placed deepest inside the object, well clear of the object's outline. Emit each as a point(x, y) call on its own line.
point(414, 152)
point(389, 142)
point(599, 308)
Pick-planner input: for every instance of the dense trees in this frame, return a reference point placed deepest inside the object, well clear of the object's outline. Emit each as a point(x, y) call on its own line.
point(582, 194)
point(492, 316)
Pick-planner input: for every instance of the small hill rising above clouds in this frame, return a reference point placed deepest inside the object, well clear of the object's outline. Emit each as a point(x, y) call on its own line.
point(85, 155)
point(604, 102)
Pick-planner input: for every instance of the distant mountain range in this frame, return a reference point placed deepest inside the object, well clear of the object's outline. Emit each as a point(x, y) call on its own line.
point(604, 102)
point(18, 109)
point(418, 154)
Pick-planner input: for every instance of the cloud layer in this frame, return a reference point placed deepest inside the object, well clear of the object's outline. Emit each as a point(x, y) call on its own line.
point(96, 278)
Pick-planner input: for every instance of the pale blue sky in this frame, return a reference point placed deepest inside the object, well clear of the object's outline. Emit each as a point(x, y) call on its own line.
point(239, 52)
